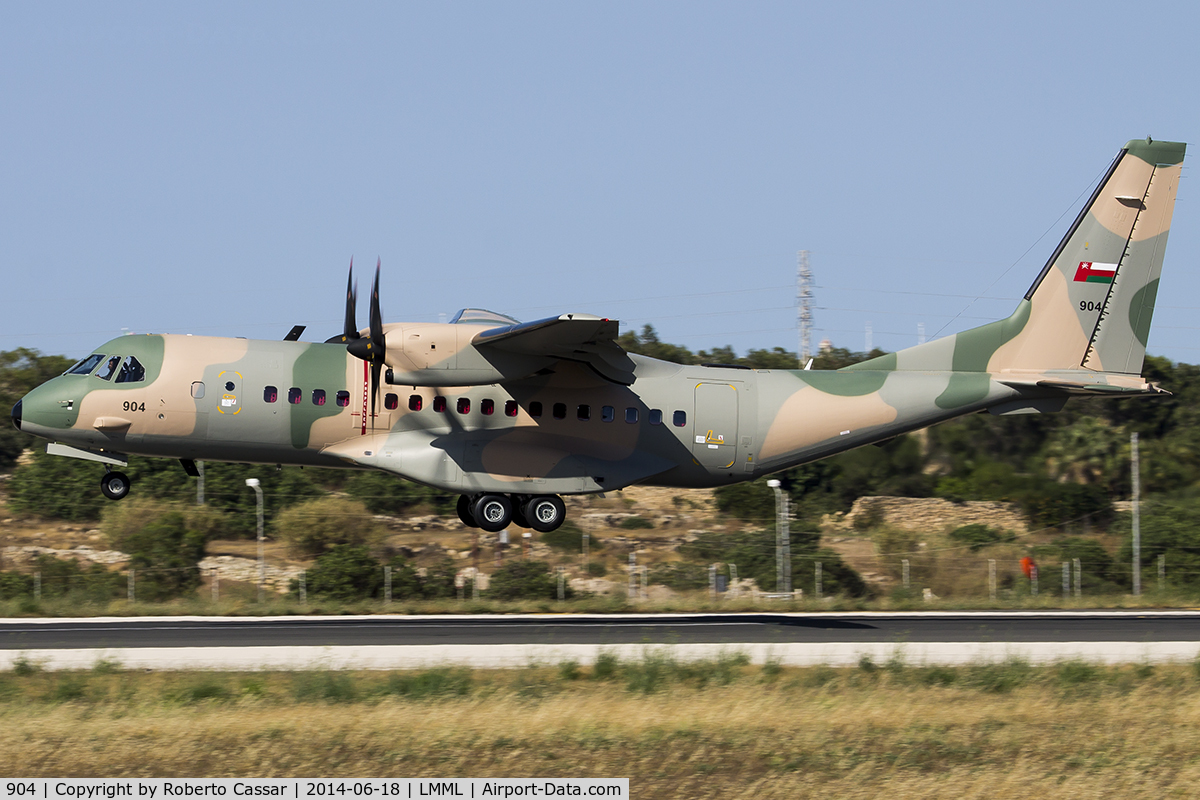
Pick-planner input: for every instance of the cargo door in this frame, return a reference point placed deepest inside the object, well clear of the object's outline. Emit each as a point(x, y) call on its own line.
point(715, 435)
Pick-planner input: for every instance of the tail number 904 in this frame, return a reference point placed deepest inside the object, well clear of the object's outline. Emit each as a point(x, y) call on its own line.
point(131, 405)
point(1088, 305)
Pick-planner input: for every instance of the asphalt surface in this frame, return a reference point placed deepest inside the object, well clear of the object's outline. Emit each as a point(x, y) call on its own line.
point(967, 627)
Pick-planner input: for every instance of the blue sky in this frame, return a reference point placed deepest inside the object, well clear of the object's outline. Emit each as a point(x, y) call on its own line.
point(210, 168)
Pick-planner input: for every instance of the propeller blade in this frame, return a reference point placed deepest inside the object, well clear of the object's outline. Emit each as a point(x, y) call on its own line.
point(377, 316)
point(349, 327)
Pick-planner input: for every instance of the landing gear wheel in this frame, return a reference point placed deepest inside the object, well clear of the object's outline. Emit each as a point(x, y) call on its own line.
point(115, 485)
point(546, 512)
point(464, 512)
point(518, 506)
point(493, 512)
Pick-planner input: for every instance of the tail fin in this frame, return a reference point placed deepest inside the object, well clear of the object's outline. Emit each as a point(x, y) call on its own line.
point(1090, 307)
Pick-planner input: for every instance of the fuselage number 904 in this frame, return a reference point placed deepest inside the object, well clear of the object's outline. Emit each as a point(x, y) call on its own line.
point(130, 405)
point(1088, 305)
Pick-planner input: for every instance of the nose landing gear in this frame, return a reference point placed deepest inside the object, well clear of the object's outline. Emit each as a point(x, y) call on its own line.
point(495, 512)
point(115, 485)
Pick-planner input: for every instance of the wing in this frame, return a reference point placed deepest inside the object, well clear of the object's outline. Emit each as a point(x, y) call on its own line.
point(584, 338)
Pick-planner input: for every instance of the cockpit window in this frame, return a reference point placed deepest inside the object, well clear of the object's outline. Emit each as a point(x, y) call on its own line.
point(110, 366)
point(86, 366)
point(132, 371)
point(474, 316)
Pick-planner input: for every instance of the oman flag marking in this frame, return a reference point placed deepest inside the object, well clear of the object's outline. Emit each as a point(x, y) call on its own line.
point(1094, 272)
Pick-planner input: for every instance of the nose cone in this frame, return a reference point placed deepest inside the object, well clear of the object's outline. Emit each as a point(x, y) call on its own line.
point(16, 415)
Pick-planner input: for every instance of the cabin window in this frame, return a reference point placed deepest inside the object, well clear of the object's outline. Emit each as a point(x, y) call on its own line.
point(680, 419)
point(109, 368)
point(391, 402)
point(560, 410)
point(342, 399)
point(656, 416)
point(198, 391)
point(464, 405)
point(631, 415)
point(584, 413)
point(608, 414)
point(294, 394)
point(414, 402)
point(535, 409)
point(270, 393)
point(487, 407)
point(86, 366)
point(318, 397)
point(510, 408)
point(439, 403)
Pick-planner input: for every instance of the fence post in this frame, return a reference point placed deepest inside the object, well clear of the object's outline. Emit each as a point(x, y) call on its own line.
point(216, 585)
point(818, 581)
point(475, 585)
point(904, 567)
point(645, 595)
point(131, 593)
point(733, 581)
point(303, 587)
point(1033, 581)
point(1078, 578)
point(1162, 572)
point(632, 592)
point(1066, 566)
point(992, 579)
point(37, 586)
point(562, 580)
point(712, 581)
point(387, 584)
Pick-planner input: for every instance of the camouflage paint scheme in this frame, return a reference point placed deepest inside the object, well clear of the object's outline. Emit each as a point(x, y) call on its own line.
point(1068, 336)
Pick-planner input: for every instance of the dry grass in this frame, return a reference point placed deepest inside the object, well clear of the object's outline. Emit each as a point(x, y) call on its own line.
point(715, 730)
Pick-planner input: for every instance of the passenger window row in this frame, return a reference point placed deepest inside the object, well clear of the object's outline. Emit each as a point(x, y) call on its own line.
point(487, 406)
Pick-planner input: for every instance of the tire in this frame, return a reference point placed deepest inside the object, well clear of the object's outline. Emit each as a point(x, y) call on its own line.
point(493, 512)
point(115, 485)
point(464, 512)
point(546, 512)
point(518, 515)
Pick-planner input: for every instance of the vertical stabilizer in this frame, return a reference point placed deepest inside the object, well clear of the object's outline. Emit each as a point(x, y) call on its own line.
point(1091, 305)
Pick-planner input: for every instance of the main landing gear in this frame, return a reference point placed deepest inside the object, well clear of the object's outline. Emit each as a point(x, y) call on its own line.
point(495, 512)
point(115, 485)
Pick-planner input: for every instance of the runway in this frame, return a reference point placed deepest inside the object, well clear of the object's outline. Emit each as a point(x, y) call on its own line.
point(394, 642)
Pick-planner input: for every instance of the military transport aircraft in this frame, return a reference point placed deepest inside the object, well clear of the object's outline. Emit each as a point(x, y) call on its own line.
point(513, 415)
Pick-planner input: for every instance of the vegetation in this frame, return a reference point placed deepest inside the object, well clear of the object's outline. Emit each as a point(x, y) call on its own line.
point(316, 526)
point(707, 728)
point(526, 579)
point(165, 543)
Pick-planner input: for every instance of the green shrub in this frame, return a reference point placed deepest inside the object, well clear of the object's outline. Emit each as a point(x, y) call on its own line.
point(597, 569)
point(635, 523)
point(347, 572)
point(569, 538)
point(316, 526)
point(66, 577)
point(431, 683)
point(525, 580)
point(14, 585)
point(978, 536)
point(680, 575)
point(163, 546)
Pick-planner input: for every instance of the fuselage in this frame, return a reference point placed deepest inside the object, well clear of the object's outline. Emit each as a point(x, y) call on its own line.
point(561, 432)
